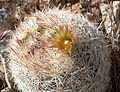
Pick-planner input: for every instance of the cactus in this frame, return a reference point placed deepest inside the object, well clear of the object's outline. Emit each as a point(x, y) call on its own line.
point(59, 51)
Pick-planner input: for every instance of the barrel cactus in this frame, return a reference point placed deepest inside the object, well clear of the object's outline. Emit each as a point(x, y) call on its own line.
point(59, 51)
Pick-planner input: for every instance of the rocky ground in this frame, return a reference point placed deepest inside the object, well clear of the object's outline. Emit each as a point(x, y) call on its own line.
point(105, 14)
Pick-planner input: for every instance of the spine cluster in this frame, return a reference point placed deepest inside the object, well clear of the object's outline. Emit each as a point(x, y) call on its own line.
point(58, 51)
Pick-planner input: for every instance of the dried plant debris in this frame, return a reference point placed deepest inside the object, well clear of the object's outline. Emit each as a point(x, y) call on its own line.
point(2, 79)
point(13, 11)
point(115, 86)
point(9, 90)
point(110, 18)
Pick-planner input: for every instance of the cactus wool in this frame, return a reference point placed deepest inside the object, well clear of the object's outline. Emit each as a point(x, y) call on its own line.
point(59, 51)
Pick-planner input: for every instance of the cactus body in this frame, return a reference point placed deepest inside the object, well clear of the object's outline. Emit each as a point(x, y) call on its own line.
point(59, 51)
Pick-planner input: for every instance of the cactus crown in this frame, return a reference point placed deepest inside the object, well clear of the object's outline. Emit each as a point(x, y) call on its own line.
point(62, 38)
